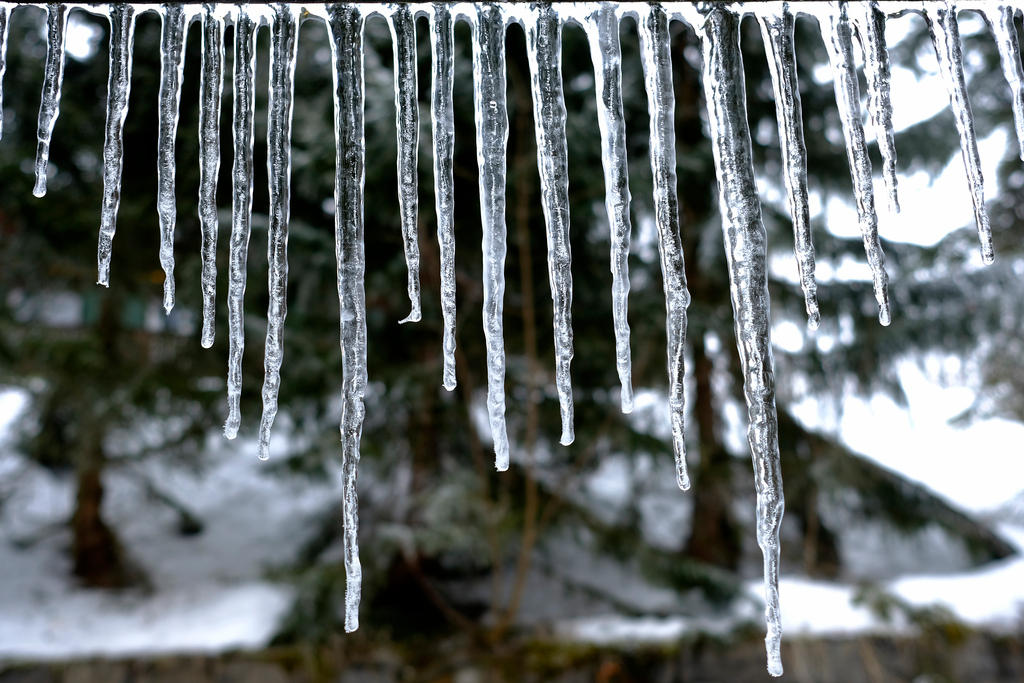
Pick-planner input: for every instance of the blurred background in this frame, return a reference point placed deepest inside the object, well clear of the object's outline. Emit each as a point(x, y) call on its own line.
point(136, 543)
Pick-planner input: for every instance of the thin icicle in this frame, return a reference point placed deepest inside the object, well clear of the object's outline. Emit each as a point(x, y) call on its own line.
point(442, 32)
point(869, 21)
point(211, 86)
point(283, 43)
point(407, 119)
point(4, 31)
point(544, 39)
point(122, 44)
point(606, 53)
point(777, 31)
point(346, 27)
point(746, 249)
point(172, 66)
point(838, 39)
point(53, 79)
point(1005, 33)
point(656, 55)
point(491, 141)
point(945, 34)
point(241, 208)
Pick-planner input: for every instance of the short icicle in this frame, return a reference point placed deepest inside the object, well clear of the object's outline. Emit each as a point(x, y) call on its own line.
point(1000, 23)
point(491, 141)
point(53, 79)
point(442, 116)
point(284, 33)
point(655, 53)
point(5, 25)
point(346, 28)
point(211, 86)
point(172, 66)
point(838, 38)
point(122, 39)
point(241, 208)
point(777, 32)
point(869, 22)
point(941, 18)
point(746, 250)
point(407, 120)
point(602, 29)
point(544, 48)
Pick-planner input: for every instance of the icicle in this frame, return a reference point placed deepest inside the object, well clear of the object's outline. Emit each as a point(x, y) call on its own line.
point(346, 27)
point(172, 66)
point(491, 140)
point(544, 40)
point(211, 86)
point(53, 78)
point(443, 125)
point(283, 42)
point(657, 62)
point(407, 119)
point(747, 254)
point(1005, 33)
point(941, 18)
point(602, 29)
point(4, 31)
point(869, 21)
point(777, 31)
point(122, 40)
point(241, 208)
point(839, 44)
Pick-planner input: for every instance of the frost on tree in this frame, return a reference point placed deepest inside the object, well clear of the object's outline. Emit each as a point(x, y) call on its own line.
point(843, 26)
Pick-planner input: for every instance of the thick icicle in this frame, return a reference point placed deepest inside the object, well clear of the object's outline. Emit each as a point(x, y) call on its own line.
point(777, 31)
point(945, 34)
point(241, 208)
point(606, 53)
point(442, 32)
point(211, 86)
point(172, 66)
point(283, 43)
point(544, 40)
point(4, 31)
point(1000, 22)
point(122, 39)
point(407, 119)
point(656, 55)
point(346, 26)
point(491, 140)
point(746, 249)
point(838, 40)
point(869, 21)
point(53, 78)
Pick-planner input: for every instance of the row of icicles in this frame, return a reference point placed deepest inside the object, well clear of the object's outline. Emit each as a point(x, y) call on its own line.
point(717, 27)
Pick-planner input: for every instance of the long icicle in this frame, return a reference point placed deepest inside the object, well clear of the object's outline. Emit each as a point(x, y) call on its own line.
point(5, 26)
point(777, 32)
point(407, 120)
point(746, 249)
point(544, 40)
point(284, 33)
point(241, 208)
point(172, 67)
point(655, 52)
point(491, 141)
point(346, 27)
point(442, 32)
point(53, 79)
point(602, 29)
point(869, 22)
point(838, 40)
point(1005, 33)
point(122, 41)
point(211, 87)
point(945, 34)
